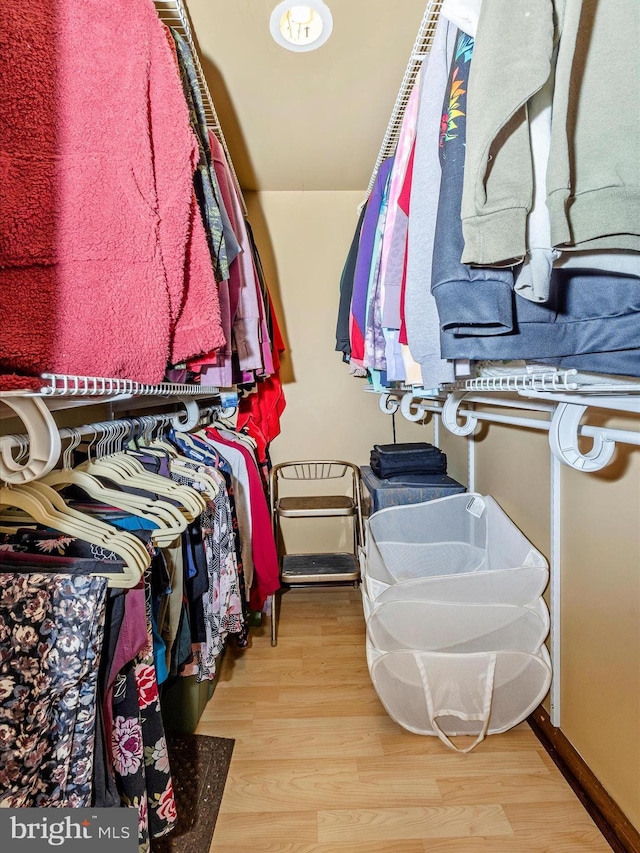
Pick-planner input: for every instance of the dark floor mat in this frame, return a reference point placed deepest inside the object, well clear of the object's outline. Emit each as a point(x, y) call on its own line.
point(199, 767)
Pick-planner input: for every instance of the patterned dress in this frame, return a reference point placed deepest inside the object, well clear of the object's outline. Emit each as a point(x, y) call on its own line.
point(136, 743)
point(221, 601)
point(51, 631)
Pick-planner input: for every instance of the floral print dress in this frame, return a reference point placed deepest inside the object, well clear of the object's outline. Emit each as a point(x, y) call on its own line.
point(138, 743)
point(51, 633)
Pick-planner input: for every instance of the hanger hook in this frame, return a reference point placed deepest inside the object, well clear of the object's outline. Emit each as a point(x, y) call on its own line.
point(123, 432)
point(23, 446)
point(102, 443)
point(67, 456)
point(105, 443)
point(148, 429)
point(44, 441)
point(115, 437)
point(192, 411)
point(163, 421)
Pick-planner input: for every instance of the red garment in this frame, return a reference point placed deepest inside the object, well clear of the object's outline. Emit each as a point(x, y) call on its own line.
point(104, 266)
point(266, 575)
point(404, 203)
point(259, 413)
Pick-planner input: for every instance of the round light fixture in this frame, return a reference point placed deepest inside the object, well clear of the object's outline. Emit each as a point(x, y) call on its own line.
point(301, 27)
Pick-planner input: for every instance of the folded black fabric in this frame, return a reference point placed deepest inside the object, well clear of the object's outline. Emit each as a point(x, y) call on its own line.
point(418, 481)
point(417, 457)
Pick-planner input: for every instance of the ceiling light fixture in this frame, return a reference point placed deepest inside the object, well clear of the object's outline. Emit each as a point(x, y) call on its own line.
point(301, 27)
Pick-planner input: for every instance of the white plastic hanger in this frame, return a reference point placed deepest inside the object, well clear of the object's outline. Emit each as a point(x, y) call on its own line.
point(46, 509)
point(169, 521)
point(127, 470)
point(203, 481)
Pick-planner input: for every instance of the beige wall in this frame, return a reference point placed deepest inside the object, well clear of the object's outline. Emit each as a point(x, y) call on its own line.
point(601, 624)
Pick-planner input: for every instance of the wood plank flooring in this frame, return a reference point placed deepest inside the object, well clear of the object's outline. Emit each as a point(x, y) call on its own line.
point(319, 767)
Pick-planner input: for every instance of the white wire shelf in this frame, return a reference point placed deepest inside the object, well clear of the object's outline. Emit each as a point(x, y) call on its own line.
point(59, 385)
point(551, 384)
point(552, 381)
point(68, 392)
point(421, 48)
point(564, 381)
point(174, 14)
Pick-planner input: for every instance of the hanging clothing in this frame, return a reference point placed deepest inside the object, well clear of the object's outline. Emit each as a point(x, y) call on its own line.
point(222, 607)
point(470, 300)
point(358, 319)
point(343, 343)
point(259, 413)
point(265, 559)
point(421, 315)
point(207, 192)
point(374, 341)
point(242, 492)
point(139, 745)
point(215, 367)
point(592, 180)
point(391, 267)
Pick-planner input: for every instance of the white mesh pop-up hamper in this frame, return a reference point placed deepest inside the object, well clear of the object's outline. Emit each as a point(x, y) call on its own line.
point(458, 669)
point(460, 548)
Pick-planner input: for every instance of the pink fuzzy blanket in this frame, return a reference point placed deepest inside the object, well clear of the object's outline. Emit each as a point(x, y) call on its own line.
point(104, 265)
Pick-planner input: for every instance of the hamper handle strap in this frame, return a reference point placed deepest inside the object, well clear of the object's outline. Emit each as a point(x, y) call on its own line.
point(446, 712)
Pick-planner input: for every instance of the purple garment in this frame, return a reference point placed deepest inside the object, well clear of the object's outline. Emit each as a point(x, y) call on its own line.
point(363, 263)
point(374, 341)
point(132, 639)
point(217, 370)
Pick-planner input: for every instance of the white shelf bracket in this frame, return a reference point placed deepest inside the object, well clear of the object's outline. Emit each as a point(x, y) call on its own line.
point(407, 410)
point(44, 441)
point(563, 439)
point(192, 419)
point(450, 415)
point(388, 404)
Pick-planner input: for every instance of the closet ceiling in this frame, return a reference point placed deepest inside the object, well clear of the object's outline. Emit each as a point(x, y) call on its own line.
point(305, 121)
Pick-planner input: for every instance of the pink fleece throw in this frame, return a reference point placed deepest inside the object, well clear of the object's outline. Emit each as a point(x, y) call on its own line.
point(104, 266)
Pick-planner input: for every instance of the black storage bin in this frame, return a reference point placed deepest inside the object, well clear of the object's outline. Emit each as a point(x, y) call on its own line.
point(416, 457)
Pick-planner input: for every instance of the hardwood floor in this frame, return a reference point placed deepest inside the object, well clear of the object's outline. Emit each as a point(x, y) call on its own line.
point(319, 767)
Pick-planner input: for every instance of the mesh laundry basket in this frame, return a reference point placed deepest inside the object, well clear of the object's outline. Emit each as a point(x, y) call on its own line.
point(480, 693)
point(443, 542)
point(434, 626)
point(458, 669)
point(522, 585)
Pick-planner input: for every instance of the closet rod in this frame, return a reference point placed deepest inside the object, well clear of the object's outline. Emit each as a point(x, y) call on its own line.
point(148, 422)
point(174, 14)
point(39, 449)
point(564, 421)
point(421, 49)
